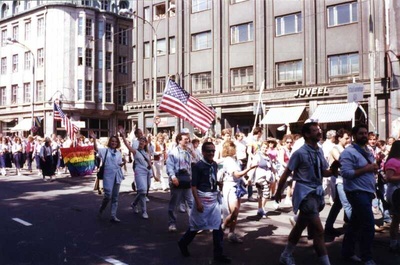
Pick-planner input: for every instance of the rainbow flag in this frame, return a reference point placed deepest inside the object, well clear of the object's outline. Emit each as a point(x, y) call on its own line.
point(79, 160)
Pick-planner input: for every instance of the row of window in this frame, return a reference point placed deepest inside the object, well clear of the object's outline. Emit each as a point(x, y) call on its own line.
point(40, 28)
point(86, 93)
point(341, 67)
point(27, 61)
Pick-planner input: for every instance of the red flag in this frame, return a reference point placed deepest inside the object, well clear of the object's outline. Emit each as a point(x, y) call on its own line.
point(180, 103)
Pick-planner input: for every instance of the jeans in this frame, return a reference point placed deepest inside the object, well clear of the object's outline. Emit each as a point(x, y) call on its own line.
point(177, 195)
point(111, 195)
point(361, 226)
point(218, 235)
point(339, 203)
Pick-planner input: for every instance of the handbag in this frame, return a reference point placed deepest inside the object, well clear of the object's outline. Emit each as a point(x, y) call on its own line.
point(100, 173)
point(185, 181)
point(240, 189)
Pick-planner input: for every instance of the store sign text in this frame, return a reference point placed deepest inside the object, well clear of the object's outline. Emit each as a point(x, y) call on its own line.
point(311, 92)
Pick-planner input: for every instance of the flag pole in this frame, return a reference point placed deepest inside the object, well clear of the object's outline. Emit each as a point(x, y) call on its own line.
point(259, 102)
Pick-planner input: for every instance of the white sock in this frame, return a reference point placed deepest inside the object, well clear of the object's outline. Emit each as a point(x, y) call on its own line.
point(296, 217)
point(324, 260)
point(289, 249)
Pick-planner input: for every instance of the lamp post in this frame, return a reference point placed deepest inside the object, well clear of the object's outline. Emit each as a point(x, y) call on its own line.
point(154, 85)
point(14, 41)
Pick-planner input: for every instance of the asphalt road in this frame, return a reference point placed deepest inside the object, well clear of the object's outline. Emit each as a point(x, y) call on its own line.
point(55, 223)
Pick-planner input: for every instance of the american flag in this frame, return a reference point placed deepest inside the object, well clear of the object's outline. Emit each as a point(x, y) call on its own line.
point(71, 128)
point(180, 103)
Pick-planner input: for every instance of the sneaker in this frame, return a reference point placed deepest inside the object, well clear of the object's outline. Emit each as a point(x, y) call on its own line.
point(183, 248)
point(182, 209)
point(135, 208)
point(145, 215)
point(286, 259)
point(260, 212)
point(292, 221)
point(114, 219)
point(251, 199)
point(370, 262)
point(288, 202)
point(172, 228)
point(147, 199)
point(275, 205)
point(222, 259)
point(232, 237)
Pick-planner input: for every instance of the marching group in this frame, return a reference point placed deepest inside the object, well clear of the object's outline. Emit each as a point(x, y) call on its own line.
point(208, 178)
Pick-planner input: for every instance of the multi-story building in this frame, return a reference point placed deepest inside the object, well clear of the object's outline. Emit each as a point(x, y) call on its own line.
point(304, 56)
point(78, 52)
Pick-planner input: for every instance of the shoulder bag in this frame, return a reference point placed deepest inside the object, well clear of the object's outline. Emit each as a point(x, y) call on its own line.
point(100, 173)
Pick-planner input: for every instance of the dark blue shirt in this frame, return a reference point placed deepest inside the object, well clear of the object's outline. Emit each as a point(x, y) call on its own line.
point(204, 176)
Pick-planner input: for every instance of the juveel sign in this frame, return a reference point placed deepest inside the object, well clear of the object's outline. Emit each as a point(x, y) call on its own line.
point(311, 92)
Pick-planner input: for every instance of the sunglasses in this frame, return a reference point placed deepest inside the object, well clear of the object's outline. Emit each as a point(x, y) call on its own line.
point(209, 151)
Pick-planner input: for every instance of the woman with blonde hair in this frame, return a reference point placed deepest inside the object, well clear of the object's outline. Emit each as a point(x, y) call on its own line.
point(233, 187)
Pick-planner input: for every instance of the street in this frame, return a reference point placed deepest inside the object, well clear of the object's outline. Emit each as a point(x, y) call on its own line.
point(56, 223)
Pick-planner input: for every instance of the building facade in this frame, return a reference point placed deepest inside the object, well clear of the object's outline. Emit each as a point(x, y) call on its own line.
point(309, 59)
point(78, 52)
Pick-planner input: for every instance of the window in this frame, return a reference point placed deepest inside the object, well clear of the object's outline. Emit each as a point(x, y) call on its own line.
point(242, 33)
point(40, 57)
point(27, 34)
point(146, 89)
point(122, 65)
point(80, 89)
point(15, 63)
point(88, 31)
point(288, 24)
point(160, 85)
point(172, 8)
point(242, 78)
point(172, 45)
point(27, 92)
point(100, 60)
point(40, 27)
point(100, 29)
point(342, 14)
point(201, 83)
point(161, 47)
point(290, 73)
point(134, 53)
point(3, 96)
point(108, 31)
point(88, 55)
point(108, 60)
point(146, 13)
point(121, 96)
point(147, 50)
point(85, 3)
point(99, 92)
point(201, 41)
point(39, 91)
point(344, 65)
point(80, 26)
point(16, 5)
point(201, 5)
point(88, 90)
point(14, 93)
point(159, 12)
point(123, 36)
point(104, 4)
point(15, 33)
point(108, 92)
point(27, 60)
point(80, 56)
point(3, 65)
point(3, 37)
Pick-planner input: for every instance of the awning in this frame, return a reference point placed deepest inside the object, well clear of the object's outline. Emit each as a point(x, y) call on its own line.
point(283, 115)
point(335, 112)
point(24, 125)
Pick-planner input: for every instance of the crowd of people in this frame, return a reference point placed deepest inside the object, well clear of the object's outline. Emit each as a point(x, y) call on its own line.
point(209, 177)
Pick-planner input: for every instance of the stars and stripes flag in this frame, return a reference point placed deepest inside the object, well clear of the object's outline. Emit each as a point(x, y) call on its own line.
point(71, 128)
point(180, 103)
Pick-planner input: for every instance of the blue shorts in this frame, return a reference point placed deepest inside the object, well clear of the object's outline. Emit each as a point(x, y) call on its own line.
point(311, 205)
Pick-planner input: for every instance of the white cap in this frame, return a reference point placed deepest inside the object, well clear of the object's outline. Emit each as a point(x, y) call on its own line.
point(185, 130)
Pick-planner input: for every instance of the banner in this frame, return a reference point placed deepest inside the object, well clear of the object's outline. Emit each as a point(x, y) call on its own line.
point(80, 160)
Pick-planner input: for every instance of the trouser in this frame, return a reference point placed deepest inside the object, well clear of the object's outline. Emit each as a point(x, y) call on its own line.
point(218, 235)
point(339, 203)
point(176, 197)
point(361, 226)
point(141, 199)
point(111, 194)
point(29, 160)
